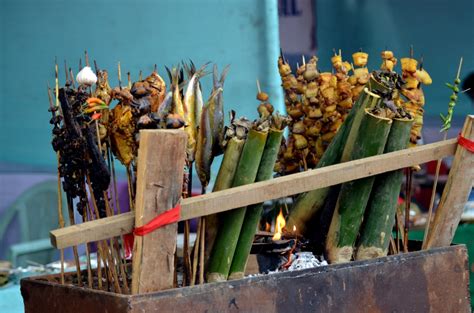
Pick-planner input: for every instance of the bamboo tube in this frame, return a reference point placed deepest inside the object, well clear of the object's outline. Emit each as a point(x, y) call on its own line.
point(308, 204)
point(353, 197)
point(254, 212)
point(380, 216)
point(226, 241)
point(223, 181)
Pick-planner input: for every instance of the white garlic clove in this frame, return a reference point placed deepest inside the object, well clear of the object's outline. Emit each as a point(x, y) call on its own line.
point(86, 77)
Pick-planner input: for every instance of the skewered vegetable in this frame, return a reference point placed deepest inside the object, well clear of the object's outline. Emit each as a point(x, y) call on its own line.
point(361, 73)
point(413, 92)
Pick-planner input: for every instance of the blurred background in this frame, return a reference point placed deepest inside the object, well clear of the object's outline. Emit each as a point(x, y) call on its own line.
point(246, 34)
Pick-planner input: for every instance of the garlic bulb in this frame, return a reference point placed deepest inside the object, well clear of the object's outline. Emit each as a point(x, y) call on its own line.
point(86, 77)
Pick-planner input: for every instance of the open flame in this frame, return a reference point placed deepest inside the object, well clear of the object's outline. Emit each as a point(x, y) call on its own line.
point(280, 223)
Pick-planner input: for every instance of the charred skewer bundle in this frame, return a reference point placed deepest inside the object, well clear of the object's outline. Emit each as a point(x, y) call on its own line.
point(90, 129)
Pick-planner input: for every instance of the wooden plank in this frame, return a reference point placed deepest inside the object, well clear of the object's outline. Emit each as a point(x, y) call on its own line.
point(455, 194)
point(161, 157)
point(263, 191)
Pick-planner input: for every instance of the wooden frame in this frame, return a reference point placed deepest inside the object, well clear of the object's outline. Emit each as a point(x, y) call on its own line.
point(462, 173)
point(259, 192)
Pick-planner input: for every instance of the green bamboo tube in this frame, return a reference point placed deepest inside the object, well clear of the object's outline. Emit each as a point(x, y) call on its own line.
point(308, 204)
point(231, 223)
point(380, 215)
point(354, 195)
point(224, 179)
point(254, 212)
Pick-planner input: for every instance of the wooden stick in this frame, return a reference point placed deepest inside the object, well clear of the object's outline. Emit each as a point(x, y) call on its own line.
point(262, 191)
point(87, 58)
point(258, 87)
point(433, 194)
point(72, 78)
point(196, 253)
point(114, 178)
point(407, 209)
point(129, 80)
point(455, 194)
point(201, 251)
point(131, 198)
point(114, 245)
point(60, 198)
point(66, 72)
point(104, 243)
point(119, 71)
point(159, 188)
point(74, 248)
point(88, 255)
point(60, 218)
point(87, 245)
point(188, 272)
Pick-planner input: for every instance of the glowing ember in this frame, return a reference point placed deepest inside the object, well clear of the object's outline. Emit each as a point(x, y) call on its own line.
point(280, 223)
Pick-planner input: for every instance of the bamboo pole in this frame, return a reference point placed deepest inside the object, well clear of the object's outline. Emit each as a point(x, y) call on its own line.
point(254, 212)
point(376, 232)
point(226, 240)
point(455, 194)
point(354, 195)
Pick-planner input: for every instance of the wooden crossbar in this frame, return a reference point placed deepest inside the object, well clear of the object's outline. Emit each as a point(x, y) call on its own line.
point(262, 191)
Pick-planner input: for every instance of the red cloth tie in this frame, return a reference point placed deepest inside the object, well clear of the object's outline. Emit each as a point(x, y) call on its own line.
point(466, 143)
point(165, 218)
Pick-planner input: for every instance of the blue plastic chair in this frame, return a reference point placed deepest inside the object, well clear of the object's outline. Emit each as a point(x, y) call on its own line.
point(36, 211)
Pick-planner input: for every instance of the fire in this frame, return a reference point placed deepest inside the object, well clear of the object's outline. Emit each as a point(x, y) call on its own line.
point(280, 223)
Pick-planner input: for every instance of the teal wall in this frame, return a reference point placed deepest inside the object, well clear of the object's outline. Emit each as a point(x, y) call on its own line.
point(243, 33)
point(441, 30)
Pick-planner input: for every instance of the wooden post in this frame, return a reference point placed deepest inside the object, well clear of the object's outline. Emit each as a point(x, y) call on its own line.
point(455, 194)
point(161, 157)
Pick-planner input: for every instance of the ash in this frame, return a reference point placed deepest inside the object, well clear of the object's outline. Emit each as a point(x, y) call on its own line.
point(306, 260)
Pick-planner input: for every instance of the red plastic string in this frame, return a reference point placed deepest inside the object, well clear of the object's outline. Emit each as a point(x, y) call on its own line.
point(466, 143)
point(165, 218)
